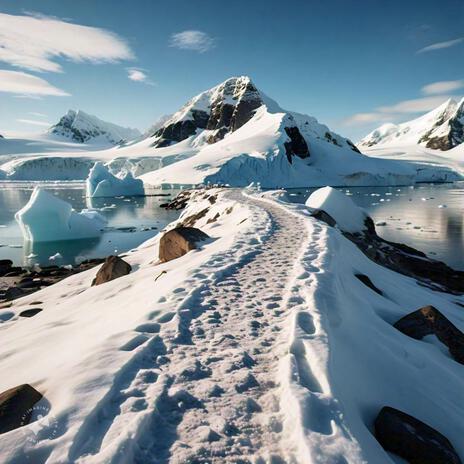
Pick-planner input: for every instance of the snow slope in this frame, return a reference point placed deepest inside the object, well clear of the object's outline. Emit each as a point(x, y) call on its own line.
point(261, 345)
point(231, 134)
point(440, 129)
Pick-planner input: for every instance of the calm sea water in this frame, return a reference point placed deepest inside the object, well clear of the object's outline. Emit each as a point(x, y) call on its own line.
point(131, 221)
point(427, 217)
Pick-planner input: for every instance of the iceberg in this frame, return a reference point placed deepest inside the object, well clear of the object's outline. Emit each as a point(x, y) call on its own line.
point(46, 218)
point(101, 183)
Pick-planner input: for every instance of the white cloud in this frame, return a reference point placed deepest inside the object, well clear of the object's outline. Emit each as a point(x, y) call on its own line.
point(34, 122)
point(441, 45)
point(139, 75)
point(27, 85)
point(442, 87)
point(38, 115)
point(360, 119)
point(192, 40)
point(417, 105)
point(35, 42)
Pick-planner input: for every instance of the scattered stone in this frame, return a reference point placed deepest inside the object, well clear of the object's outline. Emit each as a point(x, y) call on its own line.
point(113, 268)
point(16, 406)
point(5, 266)
point(179, 241)
point(30, 312)
point(247, 382)
point(430, 321)
point(413, 440)
point(368, 283)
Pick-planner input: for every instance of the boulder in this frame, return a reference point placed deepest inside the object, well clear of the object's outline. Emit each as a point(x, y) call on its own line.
point(112, 268)
point(413, 440)
point(16, 406)
point(179, 241)
point(429, 321)
point(5, 266)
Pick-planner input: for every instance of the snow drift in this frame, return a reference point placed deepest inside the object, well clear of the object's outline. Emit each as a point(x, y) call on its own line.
point(46, 218)
point(101, 183)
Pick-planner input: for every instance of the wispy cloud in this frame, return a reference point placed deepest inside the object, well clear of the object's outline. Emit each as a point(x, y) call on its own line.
point(34, 122)
point(139, 75)
point(192, 40)
point(441, 87)
point(395, 112)
point(36, 42)
point(37, 115)
point(441, 45)
point(417, 105)
point(27, 85)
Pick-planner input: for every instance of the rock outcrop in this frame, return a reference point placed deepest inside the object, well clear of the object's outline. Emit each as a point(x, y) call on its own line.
point(179, 241)
point(429, 321)
point(113, 268)
point(16, 406)
point(413, 440)
point(297, 145)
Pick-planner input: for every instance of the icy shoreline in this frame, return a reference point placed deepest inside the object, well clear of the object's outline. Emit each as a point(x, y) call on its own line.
point(163, 370)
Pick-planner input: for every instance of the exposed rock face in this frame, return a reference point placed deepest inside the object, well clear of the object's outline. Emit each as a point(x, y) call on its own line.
point(15, 406)
point(112, 268)
point(30, 312)
point(221, 110)
point(5, 266)
point(429, 321)
point(413, 440)
point(368, 283)
point(297, 145)
point(179, 241)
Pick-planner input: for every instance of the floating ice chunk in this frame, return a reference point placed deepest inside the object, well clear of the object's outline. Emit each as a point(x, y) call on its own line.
point(55, 256)
point(46, 218)
point(443, 206)
point(348, 216)
point(101, 183)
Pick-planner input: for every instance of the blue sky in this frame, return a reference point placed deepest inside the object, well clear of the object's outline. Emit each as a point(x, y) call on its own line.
point(351, 64)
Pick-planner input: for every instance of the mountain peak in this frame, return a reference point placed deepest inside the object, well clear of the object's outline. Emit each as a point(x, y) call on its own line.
point(81, 127)
point(441, 128)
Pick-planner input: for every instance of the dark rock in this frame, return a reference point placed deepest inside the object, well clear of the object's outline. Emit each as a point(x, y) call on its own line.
point(297, 145)
point(14, 272)
point(15, 406)
point(113, 268)
point(191, 220)
point(368, 283)
point(179, 241)
point(429, 321)
point(13, 292)
point(413, 440)
point(30, 312)
point(324, 217)
point(5, 266)
point(180, 201)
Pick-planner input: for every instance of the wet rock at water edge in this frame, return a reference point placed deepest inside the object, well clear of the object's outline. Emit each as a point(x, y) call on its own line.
point(16, 406)
point(113, 268)
point(429, 321)
point(412, 440)
point(179, 241)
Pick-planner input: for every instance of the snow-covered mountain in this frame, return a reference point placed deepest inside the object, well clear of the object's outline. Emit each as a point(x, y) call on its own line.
point(439, 129)
point(78, 126)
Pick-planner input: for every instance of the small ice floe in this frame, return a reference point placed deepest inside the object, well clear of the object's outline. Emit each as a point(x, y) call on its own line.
point(442, 206)
point(382, 199)
point(15, 246)
point(31, 255)
point(388, 194)
point(55, 257)
point(381, 223)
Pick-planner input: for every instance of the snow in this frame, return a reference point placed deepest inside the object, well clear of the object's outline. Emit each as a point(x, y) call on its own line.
point(262, 345)
point(46, 218)
point(101, 183)
point(348, 216)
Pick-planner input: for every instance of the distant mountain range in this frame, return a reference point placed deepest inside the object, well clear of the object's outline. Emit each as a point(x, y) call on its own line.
point(439, 129)
point(80, 127)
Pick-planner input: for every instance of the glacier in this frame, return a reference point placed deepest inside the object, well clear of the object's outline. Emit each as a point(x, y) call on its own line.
point(46, 218)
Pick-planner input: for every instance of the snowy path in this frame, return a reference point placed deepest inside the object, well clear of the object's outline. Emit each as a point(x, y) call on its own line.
point(211, 369)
